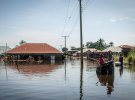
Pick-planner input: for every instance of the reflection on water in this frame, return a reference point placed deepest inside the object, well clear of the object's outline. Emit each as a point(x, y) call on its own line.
point(6, 71)
point(68, 80)
point(106, 80)
point(131, 69)
point(110, 85)
point(35, 68)
point(81, 81)
point(65, 68)
point(121, 71)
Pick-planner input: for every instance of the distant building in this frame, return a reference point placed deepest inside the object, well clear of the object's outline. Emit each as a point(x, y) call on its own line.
point(3, 49)
point(113, 49)
point(91, 52)
point(71, 52)
point(35, 51)
point(87, 52)
point(126, 49)
point(126, 46)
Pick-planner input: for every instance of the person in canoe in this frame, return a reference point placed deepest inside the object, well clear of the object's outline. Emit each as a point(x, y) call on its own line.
point(101, 69)
point(101, 60)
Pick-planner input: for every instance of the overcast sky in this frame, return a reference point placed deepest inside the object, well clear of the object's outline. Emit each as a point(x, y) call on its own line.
point(47, 20)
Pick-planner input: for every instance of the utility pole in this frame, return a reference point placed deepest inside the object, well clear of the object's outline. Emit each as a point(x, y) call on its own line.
point(81, 38)
point(81, 45)
point(65, 37)
point(6, 50)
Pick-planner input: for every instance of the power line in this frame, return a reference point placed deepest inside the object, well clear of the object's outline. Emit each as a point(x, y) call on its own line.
point(70, 20)
point(73, 27)
point(66, 19)
point(69, 17)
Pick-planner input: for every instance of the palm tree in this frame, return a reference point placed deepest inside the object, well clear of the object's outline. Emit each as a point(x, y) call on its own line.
point(111, 44)
point(100, 44)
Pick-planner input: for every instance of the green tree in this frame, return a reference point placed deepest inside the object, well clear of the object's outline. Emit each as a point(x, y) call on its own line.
point(22, 42)
point(73, 48)
point(91, 44)
point(111, 44)
point(78, 48)
point(100, 44)
point(64, 49)
point(88, 44)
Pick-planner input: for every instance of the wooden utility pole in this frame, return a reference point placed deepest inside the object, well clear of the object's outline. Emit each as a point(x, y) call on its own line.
point(81, 38)
point(65, 37)
point(6, 50)
point(81, 45)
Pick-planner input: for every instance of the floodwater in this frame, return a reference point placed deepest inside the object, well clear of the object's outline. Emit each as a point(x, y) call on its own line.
point(65, 81)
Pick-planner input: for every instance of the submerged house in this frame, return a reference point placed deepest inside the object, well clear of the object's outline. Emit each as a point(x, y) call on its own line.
point(87, 52)
point(92, 52)
point(115, 50)
point(35, 51)
point(126, 49)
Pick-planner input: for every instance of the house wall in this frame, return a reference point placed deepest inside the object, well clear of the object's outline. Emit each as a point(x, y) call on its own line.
point(36, 57)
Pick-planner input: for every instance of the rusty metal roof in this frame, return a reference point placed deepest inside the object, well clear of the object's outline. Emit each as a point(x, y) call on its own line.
point(34, 48)
point(126, 46)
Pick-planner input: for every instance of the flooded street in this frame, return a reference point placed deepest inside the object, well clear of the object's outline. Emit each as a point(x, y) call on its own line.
point(65, 81)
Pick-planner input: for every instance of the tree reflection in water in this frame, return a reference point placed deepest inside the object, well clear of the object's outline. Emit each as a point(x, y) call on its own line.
point(131, 69)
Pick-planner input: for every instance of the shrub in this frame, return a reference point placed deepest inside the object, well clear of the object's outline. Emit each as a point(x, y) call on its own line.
point(134, 60)
point(116, 58)
point(130, 59)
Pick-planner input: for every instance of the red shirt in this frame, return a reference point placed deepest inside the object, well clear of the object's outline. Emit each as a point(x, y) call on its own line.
point(101, 60)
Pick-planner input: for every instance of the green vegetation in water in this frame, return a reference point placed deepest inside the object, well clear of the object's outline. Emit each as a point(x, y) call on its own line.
point(116, 58)
point(131, 57)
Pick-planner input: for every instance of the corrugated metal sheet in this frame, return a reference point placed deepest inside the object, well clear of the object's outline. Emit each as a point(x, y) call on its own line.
point(34, 48)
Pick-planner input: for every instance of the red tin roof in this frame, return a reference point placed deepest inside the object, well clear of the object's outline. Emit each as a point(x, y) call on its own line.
point(34, 48)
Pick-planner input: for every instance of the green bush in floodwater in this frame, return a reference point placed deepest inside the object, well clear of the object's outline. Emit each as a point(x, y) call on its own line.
point(134, 61)
point(131, 57)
